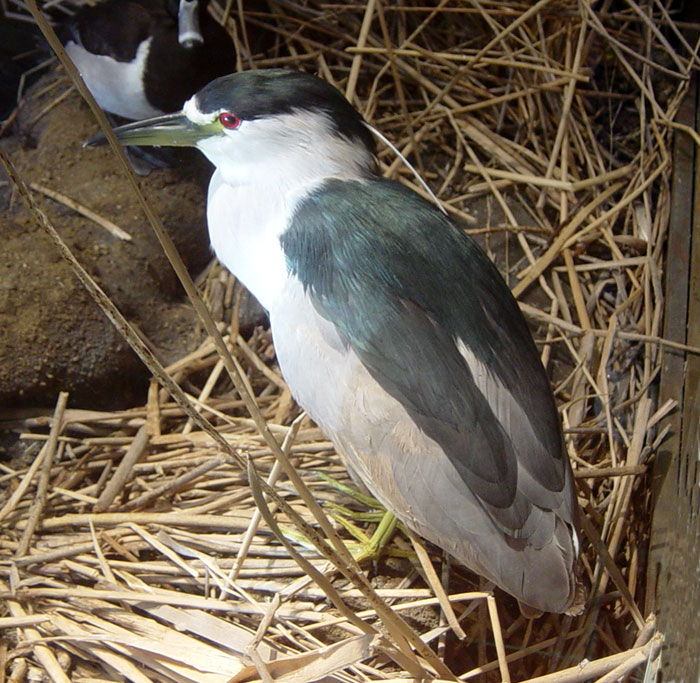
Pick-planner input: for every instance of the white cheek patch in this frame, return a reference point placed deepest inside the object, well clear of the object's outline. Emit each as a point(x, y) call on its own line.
point(193, 113)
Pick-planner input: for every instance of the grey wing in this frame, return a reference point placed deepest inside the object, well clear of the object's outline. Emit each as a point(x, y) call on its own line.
point(488, 435)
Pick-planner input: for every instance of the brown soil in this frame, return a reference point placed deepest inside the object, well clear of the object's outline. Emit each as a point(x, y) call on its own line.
point(52, 335)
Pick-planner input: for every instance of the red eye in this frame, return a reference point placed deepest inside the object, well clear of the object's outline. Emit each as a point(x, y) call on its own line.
point(229, 120)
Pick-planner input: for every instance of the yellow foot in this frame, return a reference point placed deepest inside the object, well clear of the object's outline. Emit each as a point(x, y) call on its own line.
point(364, 547)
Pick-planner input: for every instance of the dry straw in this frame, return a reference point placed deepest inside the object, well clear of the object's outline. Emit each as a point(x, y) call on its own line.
point(184, 540)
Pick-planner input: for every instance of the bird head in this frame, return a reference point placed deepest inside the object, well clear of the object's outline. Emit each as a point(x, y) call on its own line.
point(269, 127)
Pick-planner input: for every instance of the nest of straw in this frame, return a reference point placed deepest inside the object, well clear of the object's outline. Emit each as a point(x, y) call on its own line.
point(153, 544)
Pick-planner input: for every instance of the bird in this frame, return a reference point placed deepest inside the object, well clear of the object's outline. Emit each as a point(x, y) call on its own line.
point(144, 58)
point(393, 329)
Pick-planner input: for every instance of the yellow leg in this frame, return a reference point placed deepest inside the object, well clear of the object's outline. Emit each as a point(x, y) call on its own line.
point(363, 498)
point(364, 547)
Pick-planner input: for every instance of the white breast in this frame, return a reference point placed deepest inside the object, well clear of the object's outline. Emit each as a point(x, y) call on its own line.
point(116, 86)
point(245, 225)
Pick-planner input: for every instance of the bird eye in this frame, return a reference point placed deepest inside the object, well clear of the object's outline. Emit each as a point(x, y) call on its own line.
point(229, 120)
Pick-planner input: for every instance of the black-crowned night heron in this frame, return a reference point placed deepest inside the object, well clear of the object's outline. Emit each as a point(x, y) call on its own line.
point(393, 329)
point(143, 58)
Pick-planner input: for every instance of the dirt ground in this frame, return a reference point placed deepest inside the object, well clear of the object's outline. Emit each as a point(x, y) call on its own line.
point(52, 335)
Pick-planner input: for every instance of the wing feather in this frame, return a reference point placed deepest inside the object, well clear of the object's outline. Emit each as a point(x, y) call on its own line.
point(434, 323)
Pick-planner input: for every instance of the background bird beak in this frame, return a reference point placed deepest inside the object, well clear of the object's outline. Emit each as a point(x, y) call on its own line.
point(171, 130)
point(189, 34)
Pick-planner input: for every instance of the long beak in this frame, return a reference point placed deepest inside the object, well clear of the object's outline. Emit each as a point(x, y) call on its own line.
point(171, 130)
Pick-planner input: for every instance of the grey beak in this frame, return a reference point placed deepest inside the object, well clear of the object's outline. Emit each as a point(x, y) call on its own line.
point(189, 34)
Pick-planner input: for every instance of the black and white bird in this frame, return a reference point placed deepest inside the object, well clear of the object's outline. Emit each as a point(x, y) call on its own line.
point(393, 329)
point(144, 58)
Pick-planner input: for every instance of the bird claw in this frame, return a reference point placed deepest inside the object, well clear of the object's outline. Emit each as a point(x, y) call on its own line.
point(363, 547)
